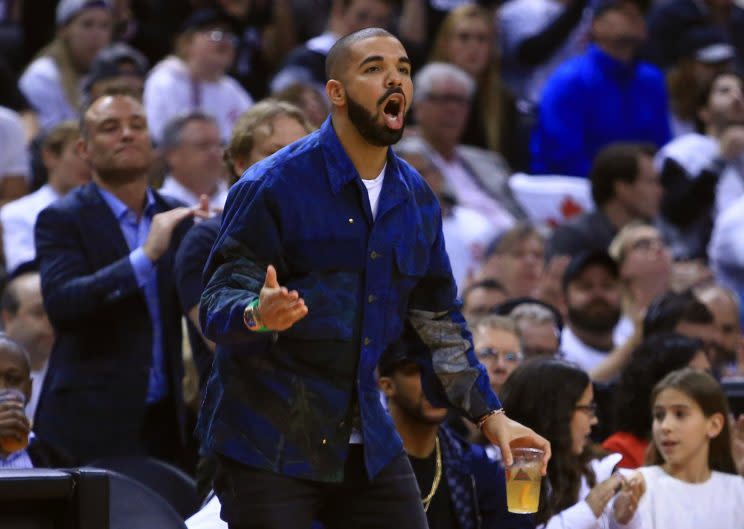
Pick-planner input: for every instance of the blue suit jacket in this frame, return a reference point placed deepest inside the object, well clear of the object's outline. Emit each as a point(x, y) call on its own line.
point(93, 399)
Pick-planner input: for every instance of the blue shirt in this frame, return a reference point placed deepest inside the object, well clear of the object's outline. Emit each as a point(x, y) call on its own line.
point(135, 232)
point(591, 101)
point(285, 401)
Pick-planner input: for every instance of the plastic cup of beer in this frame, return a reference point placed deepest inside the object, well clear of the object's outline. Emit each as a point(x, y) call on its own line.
point(523, 480)
point(10, 444)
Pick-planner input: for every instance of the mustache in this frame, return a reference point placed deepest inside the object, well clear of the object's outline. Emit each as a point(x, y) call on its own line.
point(389, 92)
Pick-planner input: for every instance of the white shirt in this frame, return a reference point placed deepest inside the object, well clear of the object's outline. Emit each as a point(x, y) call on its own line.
point(18, 219)
point(581, 516)
point(41, 84)
point(576, 351)
point(670, 503)
point(175, 189)
point(208, 517)
point(469, 194)
point(466, 235)
point(374, 187)
point(14, 158)
point(170, 91)
point(726, 248)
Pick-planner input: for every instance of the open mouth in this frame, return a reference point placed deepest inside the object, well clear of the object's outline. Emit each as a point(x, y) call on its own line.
point(667, 445)
point(393, 112)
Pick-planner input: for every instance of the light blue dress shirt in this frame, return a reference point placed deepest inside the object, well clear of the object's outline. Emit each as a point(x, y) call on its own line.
point(135, 232)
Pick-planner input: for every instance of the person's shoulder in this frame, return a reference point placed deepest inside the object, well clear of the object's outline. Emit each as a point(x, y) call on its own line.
point(169, 70)
point(413, 179)
point(74, 200)
point(19, 207)
point(44, 68)
point(726, 480)
point(568, 75)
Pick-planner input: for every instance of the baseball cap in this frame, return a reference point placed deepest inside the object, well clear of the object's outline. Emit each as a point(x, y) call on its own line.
point(68, 9)
point(110, 62)
point(583, 260)
point(707, 45)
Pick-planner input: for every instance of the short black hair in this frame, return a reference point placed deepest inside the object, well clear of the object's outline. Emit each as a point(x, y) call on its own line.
point(704, 93)
point(338, 56)
point(618, 162)
point(670, 309)
point(486, 284)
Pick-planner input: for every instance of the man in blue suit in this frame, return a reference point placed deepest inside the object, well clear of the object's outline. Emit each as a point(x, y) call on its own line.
point(106, 253)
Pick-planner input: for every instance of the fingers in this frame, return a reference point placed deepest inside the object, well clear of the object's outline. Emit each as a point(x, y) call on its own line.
point(271, 281)
point(506, 455)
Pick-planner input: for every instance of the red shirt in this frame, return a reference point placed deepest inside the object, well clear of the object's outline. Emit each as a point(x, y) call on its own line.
point(631, 447)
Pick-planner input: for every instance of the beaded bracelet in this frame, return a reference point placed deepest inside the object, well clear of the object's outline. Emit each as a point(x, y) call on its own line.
point(484, 418)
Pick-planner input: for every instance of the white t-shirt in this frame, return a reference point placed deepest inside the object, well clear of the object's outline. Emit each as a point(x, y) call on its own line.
point(17, 220)
point(170, 91)
point(175, 189)
point(581, 516)
point(670, 503)
point(373, 190)
point(14, 158)
point(41, 84)
point(469, 194)
point(576, 351)
point(466, 236)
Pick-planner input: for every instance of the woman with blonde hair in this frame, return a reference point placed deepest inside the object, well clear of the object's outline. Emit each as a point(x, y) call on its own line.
point(466, 39)
point(52, 82)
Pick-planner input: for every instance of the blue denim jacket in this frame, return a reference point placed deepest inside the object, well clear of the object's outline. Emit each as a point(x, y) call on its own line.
point(283, 401)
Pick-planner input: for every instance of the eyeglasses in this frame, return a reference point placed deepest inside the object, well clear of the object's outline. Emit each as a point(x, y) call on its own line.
point(590, 409)
point(647, 243)
point(222, 36)
point(511, 356)
point(448, 98)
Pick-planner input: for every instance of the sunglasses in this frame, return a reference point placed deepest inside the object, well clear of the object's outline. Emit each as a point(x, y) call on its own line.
point(217, 35)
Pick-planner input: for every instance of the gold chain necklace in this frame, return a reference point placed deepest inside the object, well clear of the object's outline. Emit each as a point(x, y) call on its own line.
point(437, 475)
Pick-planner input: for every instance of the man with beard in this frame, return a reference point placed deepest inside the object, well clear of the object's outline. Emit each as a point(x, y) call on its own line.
point(327, 251)
point(592, 290)
point(461, 487)
point(106, 252)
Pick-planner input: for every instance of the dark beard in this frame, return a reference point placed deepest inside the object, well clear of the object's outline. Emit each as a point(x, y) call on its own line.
point(592, 320)
point(366, 123)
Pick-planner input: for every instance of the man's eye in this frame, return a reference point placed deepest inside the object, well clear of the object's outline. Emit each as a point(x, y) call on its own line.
point(405, 71)
point(372, 69)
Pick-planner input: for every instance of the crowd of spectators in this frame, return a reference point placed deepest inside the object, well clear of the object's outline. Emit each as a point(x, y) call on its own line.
point(588, 156)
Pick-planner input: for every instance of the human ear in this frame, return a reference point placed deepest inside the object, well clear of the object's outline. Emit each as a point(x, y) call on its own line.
point(336, 93)
point(386, 385)
point(715, 425)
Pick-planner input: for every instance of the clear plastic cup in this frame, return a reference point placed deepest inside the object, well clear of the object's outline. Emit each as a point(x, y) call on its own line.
point(10, 444)
point(523, 479)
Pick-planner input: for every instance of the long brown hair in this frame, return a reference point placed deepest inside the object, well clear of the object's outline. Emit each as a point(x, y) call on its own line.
point(707, 393)
point(490, 90)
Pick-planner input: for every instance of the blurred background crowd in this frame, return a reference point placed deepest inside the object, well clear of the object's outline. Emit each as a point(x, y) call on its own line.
point(588, 156)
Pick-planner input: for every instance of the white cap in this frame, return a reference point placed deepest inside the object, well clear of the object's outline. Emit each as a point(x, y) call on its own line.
point(67, 9)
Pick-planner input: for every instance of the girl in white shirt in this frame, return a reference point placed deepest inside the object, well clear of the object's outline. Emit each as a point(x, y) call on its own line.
point(695, 485)
point(555, 399)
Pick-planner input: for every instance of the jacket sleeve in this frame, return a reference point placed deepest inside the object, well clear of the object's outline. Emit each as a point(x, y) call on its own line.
point(451, 370)
point(247, 243)
point(73, 293)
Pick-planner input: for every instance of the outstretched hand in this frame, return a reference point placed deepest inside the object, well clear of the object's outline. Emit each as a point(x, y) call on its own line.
point(507, 434)
point(278, 307)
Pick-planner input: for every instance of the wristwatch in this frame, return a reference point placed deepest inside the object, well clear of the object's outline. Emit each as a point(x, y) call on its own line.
point(251, 317)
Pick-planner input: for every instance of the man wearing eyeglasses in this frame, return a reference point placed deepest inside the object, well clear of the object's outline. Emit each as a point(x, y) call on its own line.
point(497, 347)
point(198, 80)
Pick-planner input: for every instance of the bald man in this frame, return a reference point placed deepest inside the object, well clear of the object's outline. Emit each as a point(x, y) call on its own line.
point(327, 251)
point(106, 252)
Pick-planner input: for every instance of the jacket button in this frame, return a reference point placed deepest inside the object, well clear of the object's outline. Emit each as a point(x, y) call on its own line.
point(371, 298)
point(374, 255)
point(367, 341)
